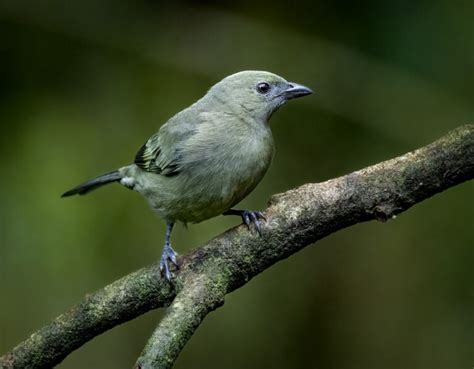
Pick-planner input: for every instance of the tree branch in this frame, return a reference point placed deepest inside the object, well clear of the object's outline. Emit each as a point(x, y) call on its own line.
point(295, 219)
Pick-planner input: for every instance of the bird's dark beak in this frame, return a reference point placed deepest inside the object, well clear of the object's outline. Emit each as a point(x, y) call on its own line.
point(295, 90)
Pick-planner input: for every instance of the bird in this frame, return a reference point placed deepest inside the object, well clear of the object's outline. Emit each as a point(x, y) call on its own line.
point(208, 157)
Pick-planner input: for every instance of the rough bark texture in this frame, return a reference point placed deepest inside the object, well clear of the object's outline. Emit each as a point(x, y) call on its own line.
point(295, 219)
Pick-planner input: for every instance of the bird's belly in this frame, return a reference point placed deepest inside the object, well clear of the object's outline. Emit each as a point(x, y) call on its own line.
point(201, 193)
point(213, 194)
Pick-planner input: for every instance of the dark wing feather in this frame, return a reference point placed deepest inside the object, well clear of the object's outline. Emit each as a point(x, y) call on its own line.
point(146, 158)
point(162, 153)
point(152, 158)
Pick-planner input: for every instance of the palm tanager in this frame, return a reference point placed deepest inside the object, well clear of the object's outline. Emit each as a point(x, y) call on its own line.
point(209, 156)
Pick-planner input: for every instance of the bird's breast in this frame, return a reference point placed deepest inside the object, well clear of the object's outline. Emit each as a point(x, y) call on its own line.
point(243, 170)
point(227, 169)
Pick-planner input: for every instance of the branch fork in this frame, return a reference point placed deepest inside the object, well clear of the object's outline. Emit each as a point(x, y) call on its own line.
point(294, 220)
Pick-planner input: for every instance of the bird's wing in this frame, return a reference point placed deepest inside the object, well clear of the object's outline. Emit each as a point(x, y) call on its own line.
point(161, 154)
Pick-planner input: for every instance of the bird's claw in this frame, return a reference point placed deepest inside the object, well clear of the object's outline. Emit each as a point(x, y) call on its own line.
point(168, 255)
point(252, 217)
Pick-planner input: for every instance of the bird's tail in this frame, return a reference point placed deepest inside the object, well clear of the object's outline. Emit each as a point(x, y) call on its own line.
point(94, 183)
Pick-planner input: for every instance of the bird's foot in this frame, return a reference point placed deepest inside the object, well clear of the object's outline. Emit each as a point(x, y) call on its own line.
point(168, 255)
point(252, 217)
point(248, 217)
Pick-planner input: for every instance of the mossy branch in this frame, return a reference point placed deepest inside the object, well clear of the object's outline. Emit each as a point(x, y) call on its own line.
point(295, 219)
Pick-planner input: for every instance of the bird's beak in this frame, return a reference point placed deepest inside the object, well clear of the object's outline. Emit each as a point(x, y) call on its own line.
point(295, 90)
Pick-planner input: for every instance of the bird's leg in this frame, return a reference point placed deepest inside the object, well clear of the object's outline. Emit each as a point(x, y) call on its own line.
point(168, 254)
point(248, 217)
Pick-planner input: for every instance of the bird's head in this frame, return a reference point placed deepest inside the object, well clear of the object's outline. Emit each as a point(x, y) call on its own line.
point(255, 94)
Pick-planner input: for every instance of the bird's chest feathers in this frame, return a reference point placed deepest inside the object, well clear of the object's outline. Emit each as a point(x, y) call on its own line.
point(235, 157)
point(242, 167)
point(246, 158)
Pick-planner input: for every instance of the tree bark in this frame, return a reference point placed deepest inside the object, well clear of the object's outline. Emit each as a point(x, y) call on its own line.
point(294, 220)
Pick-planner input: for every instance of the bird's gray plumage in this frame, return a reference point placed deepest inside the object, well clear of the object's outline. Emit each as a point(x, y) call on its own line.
point(211, 155)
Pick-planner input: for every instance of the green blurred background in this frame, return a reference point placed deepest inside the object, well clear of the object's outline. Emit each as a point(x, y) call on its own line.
point(83, 84)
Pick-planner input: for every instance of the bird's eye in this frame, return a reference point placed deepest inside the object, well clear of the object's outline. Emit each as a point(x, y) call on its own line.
point(263, 87)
